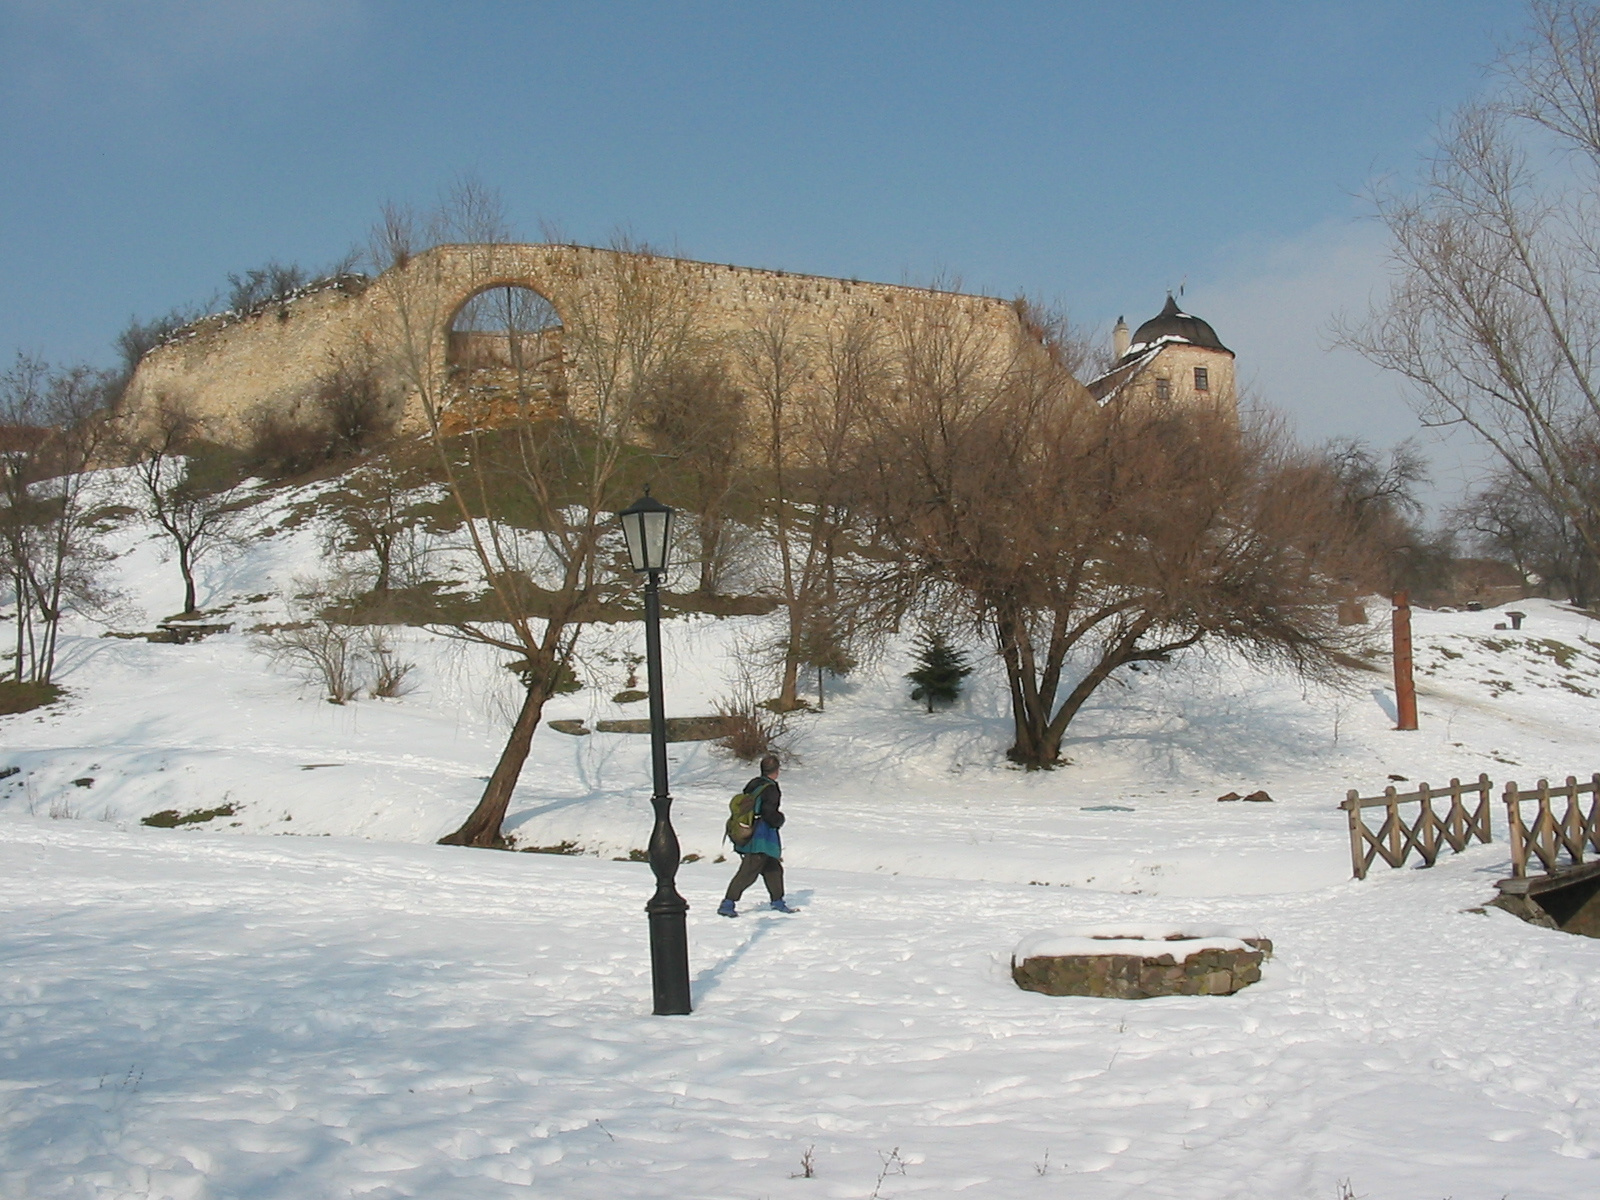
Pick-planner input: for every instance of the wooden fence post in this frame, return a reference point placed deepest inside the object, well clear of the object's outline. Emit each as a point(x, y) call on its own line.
point(1517, 834)
point(1481, 817)
point(1544, 835)
point(1427, 826)
point(1591, 824)
point(1352, 809)
point(1392, 825)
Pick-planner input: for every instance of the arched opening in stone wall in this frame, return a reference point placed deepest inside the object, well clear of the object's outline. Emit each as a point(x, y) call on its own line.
point(504, 355)
point(506, 326)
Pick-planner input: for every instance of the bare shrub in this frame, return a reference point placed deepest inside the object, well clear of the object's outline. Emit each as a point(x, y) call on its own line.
point(392, 674)
point(138, 338)
point(325, 652)
point(352, 405)
point(273, 283)
point(283, 445)
point(754, 728)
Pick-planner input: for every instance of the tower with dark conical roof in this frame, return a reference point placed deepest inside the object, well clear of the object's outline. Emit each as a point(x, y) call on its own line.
point(1173, 356)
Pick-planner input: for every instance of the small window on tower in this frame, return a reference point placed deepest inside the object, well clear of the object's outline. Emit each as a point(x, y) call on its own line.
point(1163, 389)
point(1202, 379)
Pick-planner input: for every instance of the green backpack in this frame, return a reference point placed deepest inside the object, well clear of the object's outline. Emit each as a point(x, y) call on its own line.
point(742, 815)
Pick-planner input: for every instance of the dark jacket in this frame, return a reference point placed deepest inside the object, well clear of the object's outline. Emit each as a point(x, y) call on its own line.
point(769, 800)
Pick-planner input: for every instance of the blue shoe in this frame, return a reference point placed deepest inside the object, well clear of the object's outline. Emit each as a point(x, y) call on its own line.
point(783, 907)
point(726, 909)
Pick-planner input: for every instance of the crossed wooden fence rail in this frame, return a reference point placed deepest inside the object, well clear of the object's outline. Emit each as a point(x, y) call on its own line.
point(1562, 824)
point(1396, 838)
point(1576, 830)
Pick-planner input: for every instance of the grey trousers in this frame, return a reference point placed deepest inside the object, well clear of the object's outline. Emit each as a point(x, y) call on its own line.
point(750, 865)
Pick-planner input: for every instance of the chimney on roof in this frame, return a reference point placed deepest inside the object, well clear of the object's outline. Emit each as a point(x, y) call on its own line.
point(1119, 338)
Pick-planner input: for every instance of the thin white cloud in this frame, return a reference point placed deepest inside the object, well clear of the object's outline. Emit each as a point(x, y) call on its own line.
point(1275, 303)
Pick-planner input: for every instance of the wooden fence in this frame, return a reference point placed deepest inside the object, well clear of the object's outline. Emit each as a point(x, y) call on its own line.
point(1395, 839)
point(1575, 831)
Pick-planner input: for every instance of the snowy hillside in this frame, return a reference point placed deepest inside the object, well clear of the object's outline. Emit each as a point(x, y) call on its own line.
point(303, 996)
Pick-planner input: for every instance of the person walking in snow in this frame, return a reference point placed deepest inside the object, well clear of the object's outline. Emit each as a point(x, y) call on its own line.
point(763, 854)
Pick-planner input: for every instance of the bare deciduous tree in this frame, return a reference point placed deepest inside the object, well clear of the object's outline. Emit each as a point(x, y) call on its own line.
point(1376, 493)
point(695, 416)
point(1506, 519)
point(1084, 539)
point(374, 512)
point(813, 396)
point(1493, 315)
point(197, 515)
point(53, 424)
point(534, 490)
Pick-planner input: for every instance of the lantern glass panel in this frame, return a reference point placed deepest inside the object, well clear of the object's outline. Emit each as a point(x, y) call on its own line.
point(647, 527)
point(657, 529)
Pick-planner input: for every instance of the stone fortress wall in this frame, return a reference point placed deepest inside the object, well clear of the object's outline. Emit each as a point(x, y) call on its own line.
point(227, 370)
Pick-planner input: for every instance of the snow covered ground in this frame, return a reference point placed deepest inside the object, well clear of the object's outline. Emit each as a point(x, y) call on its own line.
point(307, 998)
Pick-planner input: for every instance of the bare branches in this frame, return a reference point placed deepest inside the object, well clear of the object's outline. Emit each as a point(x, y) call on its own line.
point(534, 476)
point(198, 516)
point(1096, 536)
point(53, 424)
point(1493, 316)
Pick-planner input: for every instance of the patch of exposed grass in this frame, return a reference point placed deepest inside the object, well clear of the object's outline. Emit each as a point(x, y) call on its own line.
point(169, 819)
point(718, 606)
point(24, 697)
point(558, 848)
point(566, 681)
point(1550, 648)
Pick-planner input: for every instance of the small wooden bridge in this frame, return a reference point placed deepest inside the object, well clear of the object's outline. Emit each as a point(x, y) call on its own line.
point(1563, 832)
point(1560, 833)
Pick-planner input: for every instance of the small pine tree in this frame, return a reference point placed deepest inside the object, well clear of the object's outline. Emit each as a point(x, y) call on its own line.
point(940, 670)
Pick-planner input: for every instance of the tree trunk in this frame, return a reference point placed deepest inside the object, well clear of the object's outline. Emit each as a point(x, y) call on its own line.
point(482, 828)
point(384, 551)
point(187, 570)
point(1030, 714)
point(789, 689)
point(710, 553)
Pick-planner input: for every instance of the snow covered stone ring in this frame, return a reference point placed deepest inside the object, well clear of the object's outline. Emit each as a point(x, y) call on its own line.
point(1137, 962)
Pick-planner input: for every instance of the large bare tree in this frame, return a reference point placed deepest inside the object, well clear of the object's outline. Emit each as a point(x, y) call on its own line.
point(535, 477)
point(814, 390)
point(1493, 314)
point(1084, 539)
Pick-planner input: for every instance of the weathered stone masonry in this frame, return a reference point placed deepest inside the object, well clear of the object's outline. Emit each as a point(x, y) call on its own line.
point(226, 370)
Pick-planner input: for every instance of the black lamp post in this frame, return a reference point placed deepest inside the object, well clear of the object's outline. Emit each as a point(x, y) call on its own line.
point(647, 525)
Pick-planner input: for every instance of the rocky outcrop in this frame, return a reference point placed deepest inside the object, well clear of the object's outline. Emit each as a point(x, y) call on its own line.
point(1121, 965)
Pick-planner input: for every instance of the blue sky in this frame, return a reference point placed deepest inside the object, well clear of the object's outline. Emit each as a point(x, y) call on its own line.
point(1090, 155)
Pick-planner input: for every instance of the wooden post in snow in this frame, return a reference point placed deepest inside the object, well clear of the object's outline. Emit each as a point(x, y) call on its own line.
point(1405, 689)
